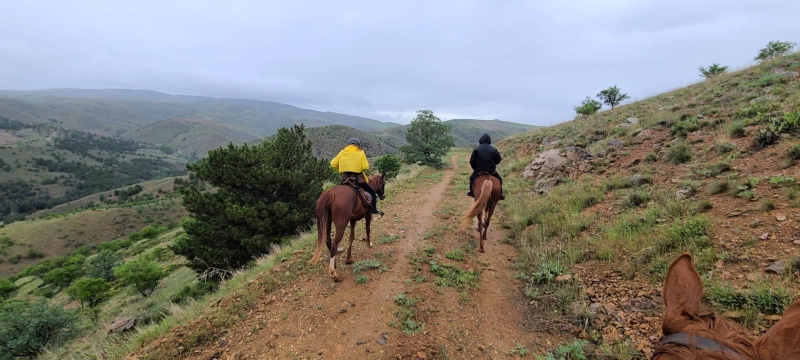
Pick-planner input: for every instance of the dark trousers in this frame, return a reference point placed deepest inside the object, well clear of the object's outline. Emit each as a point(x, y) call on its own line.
point(372, 192)
point(475, 175)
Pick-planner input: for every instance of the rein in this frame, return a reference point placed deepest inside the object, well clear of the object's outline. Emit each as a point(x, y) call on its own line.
point(698, 342)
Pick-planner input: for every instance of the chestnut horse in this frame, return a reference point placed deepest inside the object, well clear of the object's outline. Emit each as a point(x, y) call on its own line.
point(688, 334)
point(340, 205)
point(486, 197)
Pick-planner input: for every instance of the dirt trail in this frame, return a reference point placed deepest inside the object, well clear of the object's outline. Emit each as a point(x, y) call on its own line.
point(315, 318)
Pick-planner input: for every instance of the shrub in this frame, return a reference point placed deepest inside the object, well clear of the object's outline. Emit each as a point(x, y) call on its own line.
point(102, 265)
point(89, 291)
point(6, 288)
point(763, 138)
point(18, 336)
point(736, 129)
point(144, 275)
point(388, 165)
point(115, 245)
point(794, 152)
point(588, 107)
point(774, 49)
point(35, 254)
point(684, 127)
point(724, 148)
point(680, 153)
point(717, 187)
point(712, 70)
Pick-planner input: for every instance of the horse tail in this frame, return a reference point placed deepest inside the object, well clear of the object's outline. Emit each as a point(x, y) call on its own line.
point(478, 205)
point(323, 213)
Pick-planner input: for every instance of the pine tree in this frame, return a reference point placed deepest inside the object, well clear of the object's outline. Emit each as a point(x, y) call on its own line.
point(264, 193)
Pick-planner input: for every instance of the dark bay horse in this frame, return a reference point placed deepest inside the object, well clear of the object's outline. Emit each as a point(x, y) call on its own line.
point(486, 197)
point(340, 205)
point(688, 334)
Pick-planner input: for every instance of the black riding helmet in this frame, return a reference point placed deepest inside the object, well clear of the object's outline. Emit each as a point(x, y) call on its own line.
point(353, 141)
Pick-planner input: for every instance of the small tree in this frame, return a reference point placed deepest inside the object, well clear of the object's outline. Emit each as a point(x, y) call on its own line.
point(712, 70)
point(142, 274)
point(89, 291)
point(6, 288)
point(388, 165)
point(612, 96)
point(28, 327)
point(588, 107)
point(70, 270)
point(102, 265)
point(266, 193)
point(775, 49)
point(428, 140)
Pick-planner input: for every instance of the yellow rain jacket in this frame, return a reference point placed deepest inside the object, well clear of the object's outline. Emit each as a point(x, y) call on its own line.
point(351, 159)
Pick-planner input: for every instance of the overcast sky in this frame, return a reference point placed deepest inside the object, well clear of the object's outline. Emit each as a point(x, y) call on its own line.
point(524, 61)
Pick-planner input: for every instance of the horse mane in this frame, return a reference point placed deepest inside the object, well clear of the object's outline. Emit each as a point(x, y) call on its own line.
point(717, 328)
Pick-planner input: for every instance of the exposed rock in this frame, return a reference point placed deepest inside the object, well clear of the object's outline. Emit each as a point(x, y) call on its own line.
point(776, 267)
point(576, 153)
point(616, 143)
point(549, 143)
point(632, 120)
point(645, 134)
point(785, 73)
point(383, 339)
point(554, 162)
point(764, 236)
point(121, 324)
point(683, 193)
point(585, 167)
point(780, 217)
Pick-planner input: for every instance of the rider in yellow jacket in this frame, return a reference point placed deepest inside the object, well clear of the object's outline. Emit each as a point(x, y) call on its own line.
point(352, 160)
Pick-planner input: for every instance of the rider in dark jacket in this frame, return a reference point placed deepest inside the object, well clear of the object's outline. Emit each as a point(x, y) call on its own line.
point(485, 157)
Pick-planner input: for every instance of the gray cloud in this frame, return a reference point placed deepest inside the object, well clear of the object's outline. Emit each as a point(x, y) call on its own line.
point(525, 61)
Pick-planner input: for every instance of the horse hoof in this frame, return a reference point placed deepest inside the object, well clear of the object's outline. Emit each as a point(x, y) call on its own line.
point(336, 278)
point(480, 250)
point(348, 262)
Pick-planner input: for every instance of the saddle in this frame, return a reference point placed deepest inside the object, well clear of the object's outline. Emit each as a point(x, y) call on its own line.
point(351, 180)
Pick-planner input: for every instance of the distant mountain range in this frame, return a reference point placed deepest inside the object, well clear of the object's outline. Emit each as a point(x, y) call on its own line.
point(190, 126)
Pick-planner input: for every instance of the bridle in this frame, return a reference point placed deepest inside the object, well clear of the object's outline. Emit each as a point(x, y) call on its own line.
point(698, 342)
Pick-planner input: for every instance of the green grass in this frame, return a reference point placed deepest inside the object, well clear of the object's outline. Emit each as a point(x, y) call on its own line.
point(453, 276)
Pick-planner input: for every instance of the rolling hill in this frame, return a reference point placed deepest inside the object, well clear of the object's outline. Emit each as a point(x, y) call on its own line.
point(120, 111)
point(44, 165)
point(192, 125)
point(466, 132)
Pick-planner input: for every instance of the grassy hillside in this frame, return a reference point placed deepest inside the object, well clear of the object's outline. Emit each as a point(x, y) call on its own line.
point(120, 111)
point(327, 141)
point(191, 138)
point(466, 132)
point(43, 165)
point(611, 199)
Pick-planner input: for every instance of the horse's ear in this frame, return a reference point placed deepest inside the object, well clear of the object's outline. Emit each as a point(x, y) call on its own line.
point(683, 292)
point(782, 341)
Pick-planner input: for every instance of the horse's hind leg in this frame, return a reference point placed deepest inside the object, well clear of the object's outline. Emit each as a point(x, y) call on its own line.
point(350, 246)
point(481, 230)
point(334, 248)
point(367, 220)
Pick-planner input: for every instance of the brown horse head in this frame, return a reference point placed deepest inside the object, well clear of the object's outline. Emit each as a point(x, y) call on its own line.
point(378, 184)
point(691, 335)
